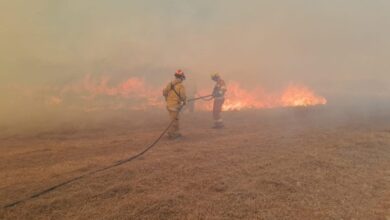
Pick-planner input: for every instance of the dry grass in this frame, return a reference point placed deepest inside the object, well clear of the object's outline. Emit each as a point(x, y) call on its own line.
point(264, 165)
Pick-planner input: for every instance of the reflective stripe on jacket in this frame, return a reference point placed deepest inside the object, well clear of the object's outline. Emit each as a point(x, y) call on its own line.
point(219, 89)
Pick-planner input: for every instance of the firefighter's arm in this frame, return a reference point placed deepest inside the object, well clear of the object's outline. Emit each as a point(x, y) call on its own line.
point(165, 92)
point(183, 95)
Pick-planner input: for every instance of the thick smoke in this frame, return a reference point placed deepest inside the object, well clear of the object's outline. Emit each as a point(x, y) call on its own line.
point(340, 49)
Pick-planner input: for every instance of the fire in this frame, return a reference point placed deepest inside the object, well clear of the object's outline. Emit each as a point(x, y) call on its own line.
point(134, 89)
point(54, 101)
point(238, 98)
point(99, 94)
point(131, 88)
point(300, 96)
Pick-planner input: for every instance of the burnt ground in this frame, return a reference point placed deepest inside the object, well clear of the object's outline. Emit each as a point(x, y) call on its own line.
point(273, 164)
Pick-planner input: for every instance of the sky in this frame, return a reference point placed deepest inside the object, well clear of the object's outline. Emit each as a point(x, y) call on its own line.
point(339, 48)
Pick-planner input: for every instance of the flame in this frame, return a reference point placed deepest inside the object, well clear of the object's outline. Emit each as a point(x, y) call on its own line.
point(135, 89)
point(295, 96)
point(131, 88)
point(238, 98)
point(98, 94)
point(54, 101)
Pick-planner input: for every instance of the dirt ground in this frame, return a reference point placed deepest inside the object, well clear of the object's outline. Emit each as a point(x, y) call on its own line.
point(269, 164)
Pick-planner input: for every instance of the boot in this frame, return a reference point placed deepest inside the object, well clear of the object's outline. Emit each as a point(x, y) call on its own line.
point(218, 125)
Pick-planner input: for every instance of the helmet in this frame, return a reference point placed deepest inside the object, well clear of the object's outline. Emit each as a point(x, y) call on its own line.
point(180, 74)
point(215, 76)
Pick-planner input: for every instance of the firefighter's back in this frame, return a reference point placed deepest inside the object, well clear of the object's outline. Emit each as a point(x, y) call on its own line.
point(174, 93)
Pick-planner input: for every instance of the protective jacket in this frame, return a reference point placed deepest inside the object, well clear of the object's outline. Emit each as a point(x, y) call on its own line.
point(219, 89)
point(175, 95)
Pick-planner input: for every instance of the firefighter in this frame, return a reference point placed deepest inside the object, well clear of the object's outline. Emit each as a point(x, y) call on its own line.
point(219, 98)
point(175, 96)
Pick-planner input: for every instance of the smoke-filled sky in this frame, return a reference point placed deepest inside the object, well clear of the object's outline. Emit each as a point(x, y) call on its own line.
point(336, 47)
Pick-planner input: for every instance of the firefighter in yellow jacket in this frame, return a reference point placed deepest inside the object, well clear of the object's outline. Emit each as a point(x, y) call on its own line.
point(175, 96)
point(219, 98)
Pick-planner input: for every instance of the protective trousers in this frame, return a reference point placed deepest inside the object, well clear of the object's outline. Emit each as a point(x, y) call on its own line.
point(217, 109)
point(174, 129)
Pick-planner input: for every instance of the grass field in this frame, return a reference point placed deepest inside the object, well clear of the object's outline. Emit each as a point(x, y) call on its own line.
point(269, 164)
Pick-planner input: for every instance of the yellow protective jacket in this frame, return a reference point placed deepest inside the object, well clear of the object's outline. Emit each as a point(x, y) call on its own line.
point(175, 95)
point(219, 89)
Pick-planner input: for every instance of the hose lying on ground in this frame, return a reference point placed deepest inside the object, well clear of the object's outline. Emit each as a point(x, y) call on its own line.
point(101, 169)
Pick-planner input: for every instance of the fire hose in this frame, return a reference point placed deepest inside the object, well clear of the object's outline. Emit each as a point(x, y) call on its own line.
point(118, 163)
point(204, 98)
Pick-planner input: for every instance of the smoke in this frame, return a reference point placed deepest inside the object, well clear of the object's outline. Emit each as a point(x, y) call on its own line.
point(339, 49)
